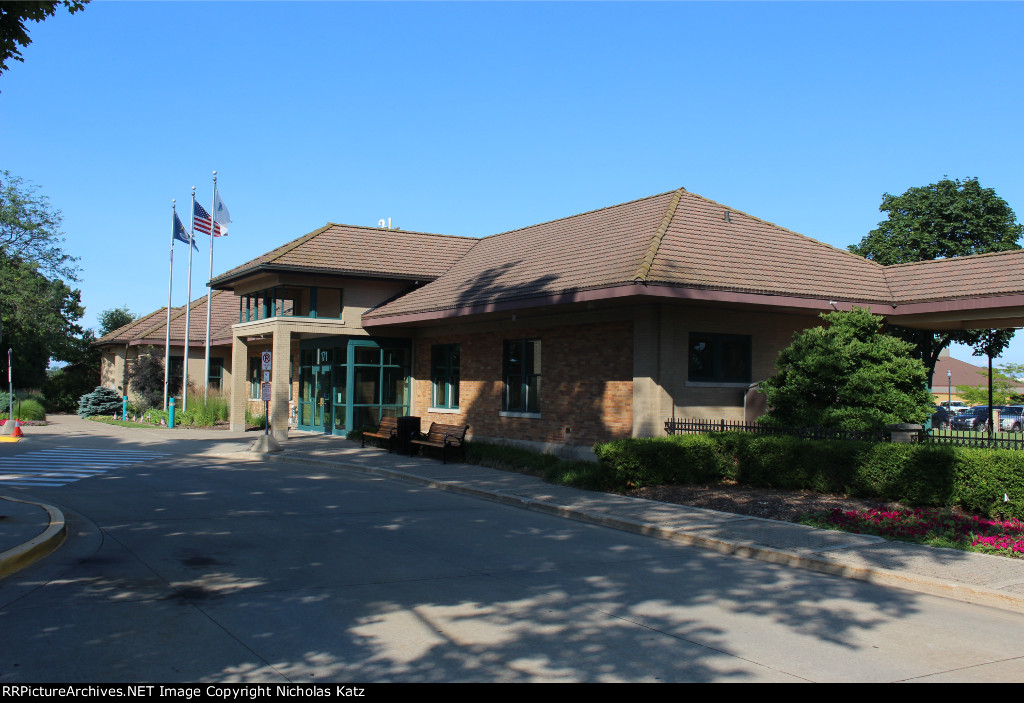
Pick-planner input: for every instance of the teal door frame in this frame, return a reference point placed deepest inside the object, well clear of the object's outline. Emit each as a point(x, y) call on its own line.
point(339, 417)
point(318, 408)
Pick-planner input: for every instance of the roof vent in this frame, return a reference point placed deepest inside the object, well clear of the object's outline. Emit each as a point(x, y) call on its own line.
point(727, 216)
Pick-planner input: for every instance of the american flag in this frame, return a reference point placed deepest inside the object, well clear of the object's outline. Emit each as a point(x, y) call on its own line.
point(202, 221)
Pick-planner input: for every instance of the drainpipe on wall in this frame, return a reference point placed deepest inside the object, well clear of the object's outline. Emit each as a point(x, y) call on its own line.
point(124, 370)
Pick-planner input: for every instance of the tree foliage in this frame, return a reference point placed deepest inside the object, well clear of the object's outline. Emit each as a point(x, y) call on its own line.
point(945, 219)
point(13, 16)
point(940, 220)
point(30, 229)
point(848, 375)
point(115, 318)
point(38, 309)
point(1004, 390)
point(146, 379)
point(39, 320)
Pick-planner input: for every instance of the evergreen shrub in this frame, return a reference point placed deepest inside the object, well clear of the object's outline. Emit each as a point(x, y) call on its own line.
point(102, 401)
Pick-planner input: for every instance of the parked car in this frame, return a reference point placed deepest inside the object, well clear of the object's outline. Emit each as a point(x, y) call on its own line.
point(975, 418)
point(1011, 418)
point(955, 407)
point(941, 418)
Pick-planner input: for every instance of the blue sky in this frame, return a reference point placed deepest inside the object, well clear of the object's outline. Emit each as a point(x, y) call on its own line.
point(475, 118)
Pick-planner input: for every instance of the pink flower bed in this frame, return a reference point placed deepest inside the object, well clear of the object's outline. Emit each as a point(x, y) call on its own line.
point(930, 525)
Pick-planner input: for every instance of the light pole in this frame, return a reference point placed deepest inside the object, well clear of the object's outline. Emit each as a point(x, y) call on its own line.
point(949, 390)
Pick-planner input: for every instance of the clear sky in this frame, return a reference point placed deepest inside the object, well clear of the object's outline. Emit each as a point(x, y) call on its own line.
point(474, 118)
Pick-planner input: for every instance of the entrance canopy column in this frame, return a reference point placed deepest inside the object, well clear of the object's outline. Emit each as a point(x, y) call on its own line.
point(239, 381)
point(280, 383)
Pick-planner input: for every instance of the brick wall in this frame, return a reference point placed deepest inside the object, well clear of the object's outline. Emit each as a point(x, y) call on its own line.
point(586, 391)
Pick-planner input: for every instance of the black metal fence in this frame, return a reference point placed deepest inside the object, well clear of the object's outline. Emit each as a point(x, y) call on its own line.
point(697, 425)
point(959, 438)
point(970, 438)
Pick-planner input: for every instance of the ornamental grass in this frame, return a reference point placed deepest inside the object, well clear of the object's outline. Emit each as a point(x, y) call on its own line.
point(933, 526)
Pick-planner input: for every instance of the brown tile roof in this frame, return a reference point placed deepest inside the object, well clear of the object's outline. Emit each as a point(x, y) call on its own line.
point(709, 245)
point(675, 238)
point(152, 328)
point(127, 332)
point(362, 251)
point(998, 273)
point(964, 374)
point(595, 249)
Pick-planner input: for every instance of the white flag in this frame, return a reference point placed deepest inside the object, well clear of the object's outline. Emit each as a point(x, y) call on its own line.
point(220, 211)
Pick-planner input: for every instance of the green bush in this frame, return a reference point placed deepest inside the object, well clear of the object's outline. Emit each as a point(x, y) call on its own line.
point(30, 409)
point(155, 416)
point(918, 475)
point(64, 386)
point(553, 469)
point(847, 375)
point(102, 401)
point(254, 419)
point(638, 462)
point(510, 458)
point(982, 477)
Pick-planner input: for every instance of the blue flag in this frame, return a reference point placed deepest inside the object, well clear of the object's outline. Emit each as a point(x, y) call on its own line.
point(180, 234)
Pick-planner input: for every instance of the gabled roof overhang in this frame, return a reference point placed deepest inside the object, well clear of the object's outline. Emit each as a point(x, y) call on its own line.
point(983, 312)
point(638, 292)
point(229, 282)
point(986, 312)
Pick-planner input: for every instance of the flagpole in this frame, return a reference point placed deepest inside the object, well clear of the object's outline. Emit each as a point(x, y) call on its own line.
point(188, 304)
point(170, 277)
point(209, 291)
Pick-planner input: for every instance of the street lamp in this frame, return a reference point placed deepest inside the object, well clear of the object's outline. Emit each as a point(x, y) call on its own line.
point(949, 389)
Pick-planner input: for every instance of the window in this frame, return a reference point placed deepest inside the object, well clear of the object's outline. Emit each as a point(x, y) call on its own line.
point(719, 358)
point(291, 301)
point(216, 373)
point(444, 375)
point(255, 365)
point(522, 376)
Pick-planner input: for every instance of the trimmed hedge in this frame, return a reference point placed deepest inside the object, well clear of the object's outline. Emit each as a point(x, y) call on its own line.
point(919, 475)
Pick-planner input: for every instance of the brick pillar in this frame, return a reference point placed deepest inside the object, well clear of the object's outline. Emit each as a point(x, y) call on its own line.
point(239, 384)
point(282, 349)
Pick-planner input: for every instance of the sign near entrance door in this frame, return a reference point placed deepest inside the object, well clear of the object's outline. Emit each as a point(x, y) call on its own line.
point(265, 358)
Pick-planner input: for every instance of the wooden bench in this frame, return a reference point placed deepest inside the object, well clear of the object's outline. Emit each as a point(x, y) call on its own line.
point(387, 429)
point(442, 437)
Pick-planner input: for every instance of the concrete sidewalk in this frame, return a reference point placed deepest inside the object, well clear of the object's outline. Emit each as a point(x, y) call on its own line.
point(29, 529)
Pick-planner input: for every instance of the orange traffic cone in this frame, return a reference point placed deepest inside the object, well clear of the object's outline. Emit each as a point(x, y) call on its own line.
point(17, 430)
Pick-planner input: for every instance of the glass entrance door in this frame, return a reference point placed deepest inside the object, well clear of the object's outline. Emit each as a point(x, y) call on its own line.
point(315, 406)
point(347, 383)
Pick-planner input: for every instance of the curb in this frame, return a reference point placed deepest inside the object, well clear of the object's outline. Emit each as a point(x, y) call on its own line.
point(16, 559)
point(921, 584)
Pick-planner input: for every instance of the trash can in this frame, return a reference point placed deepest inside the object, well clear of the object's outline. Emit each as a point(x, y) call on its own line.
point(408, 428)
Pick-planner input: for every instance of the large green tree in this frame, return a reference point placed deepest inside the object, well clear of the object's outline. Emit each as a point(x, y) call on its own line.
point(115, 318)
point(30, 229)
point(13, 16)
point(847, 375)
point(40, 320)
point(945, 219)
point(39, 310)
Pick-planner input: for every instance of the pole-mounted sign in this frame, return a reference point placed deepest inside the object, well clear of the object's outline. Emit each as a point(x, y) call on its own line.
point(266, 358)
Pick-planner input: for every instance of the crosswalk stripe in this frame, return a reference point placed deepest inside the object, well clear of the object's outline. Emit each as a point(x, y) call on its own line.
point(61, 465)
